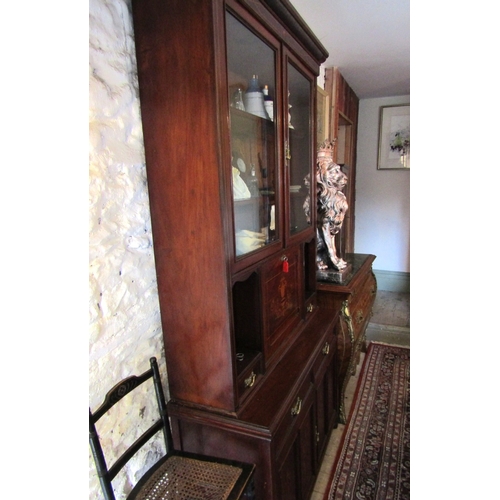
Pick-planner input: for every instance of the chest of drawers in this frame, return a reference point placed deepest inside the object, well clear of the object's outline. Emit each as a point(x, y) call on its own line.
point(354, 298)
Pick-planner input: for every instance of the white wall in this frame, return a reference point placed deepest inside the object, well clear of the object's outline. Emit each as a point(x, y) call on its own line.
point(382, 225)
point(124, 315)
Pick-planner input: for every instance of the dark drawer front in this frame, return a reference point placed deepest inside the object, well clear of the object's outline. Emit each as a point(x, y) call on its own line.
point(248, 376)
point(281, 295)
point(291, 420)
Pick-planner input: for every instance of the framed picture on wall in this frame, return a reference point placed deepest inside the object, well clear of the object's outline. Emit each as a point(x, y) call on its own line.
point(394, 138)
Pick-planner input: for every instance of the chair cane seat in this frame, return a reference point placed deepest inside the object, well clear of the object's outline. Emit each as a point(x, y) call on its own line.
point(187, 479)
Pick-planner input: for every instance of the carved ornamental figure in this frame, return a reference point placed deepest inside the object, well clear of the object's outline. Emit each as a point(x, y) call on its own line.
point(332, 206)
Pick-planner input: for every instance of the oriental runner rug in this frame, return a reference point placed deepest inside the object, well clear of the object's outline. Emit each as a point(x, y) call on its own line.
point(373, 459)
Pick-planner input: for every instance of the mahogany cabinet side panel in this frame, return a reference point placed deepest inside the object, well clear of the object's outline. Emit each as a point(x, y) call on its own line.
point(175, 46)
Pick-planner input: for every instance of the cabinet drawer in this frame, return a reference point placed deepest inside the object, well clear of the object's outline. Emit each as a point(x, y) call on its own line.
point(361, 305)
point(367, 288)
point(248, 373)
point(287, 428)
point(323, 357)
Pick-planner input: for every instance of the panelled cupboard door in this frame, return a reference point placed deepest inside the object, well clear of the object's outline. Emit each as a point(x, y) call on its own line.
point(307, 450)
point(326, 411)
point(288, 476)
point(297, 469)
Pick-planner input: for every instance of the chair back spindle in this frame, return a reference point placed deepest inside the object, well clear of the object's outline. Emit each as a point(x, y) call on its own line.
point(119, 391)
point(189, 472)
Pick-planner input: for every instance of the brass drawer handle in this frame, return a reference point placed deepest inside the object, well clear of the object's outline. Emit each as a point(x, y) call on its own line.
point(297, 407)
point(250, 380)
point(345, 309)
point(326, 349)
point(310, 308)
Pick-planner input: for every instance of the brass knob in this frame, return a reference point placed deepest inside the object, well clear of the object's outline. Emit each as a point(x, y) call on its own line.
point(297, 407)
point(326, 348)
point(310, 308)
point(250, 380)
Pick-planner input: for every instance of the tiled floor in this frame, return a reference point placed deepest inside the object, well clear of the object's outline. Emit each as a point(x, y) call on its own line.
point(390, 323)
point(391, 308)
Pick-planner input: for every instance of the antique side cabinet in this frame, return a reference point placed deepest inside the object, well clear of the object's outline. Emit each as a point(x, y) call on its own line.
point(354, 298)
point(251, 357)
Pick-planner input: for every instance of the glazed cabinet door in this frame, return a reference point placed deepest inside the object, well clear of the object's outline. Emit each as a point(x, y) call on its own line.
point(299, 147)
point(271, 97)
point(255, 177)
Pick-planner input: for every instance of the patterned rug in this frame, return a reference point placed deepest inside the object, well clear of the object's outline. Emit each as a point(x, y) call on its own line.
point(373, 459)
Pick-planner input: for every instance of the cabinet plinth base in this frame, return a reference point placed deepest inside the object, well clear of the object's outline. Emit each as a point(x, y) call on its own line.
point(333, 276)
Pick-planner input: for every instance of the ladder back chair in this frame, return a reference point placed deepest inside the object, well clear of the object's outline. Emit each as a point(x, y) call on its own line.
point(180, 475)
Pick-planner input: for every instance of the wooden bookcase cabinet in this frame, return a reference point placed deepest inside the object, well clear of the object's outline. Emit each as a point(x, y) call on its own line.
point(251, 358)
point(343, 122)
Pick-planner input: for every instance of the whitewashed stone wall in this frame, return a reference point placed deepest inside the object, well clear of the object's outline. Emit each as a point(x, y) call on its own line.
point(125, 328)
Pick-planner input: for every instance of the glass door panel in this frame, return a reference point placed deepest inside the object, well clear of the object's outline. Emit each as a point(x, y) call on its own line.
point(298, 152)
point(252, 90)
